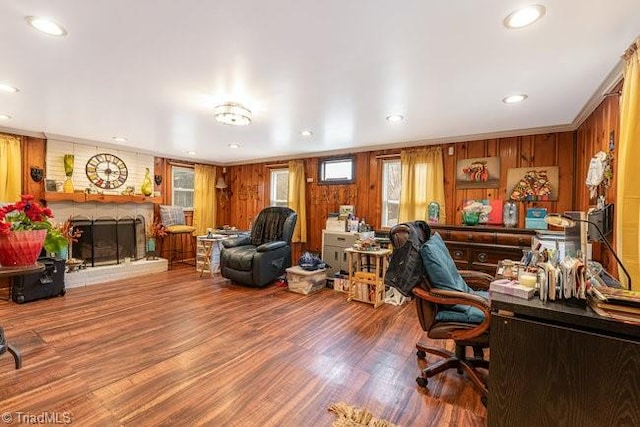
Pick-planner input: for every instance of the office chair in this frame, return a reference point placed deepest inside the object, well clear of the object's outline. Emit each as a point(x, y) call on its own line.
point(5, 346)
point(448, 307)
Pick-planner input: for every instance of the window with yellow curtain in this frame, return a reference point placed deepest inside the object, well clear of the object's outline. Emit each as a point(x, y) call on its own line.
point(422, 182)
point(297, 199)
point(10, 168)
point(628, 194)
point(204, 201)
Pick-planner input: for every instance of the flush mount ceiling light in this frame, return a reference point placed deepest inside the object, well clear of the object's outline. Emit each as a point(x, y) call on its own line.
point(395, 118)
point(514, 99)
point(234, 146)
point(191, 153)
point(4, 117)
point(524, 17)
point(46, 26)
point(232, 113)
point(120, 138)
point(306, 133)
point(8, 88)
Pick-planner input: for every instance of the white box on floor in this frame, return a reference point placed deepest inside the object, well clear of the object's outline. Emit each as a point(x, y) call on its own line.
point(306, 282)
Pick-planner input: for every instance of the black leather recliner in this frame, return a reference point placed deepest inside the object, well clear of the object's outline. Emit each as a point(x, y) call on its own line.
point(261, 257)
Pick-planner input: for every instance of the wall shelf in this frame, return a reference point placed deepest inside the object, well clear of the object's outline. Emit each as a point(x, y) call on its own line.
point(99, 198)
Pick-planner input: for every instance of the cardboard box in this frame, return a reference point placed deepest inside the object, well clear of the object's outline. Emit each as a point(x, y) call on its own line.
point(511, 287)
point(306, 282)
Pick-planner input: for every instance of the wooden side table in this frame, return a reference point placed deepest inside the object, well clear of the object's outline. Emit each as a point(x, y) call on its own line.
point(206, 246)
point(367, 286)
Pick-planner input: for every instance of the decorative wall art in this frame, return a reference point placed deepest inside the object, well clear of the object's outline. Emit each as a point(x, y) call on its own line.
point(533, 184)
point(481, 172)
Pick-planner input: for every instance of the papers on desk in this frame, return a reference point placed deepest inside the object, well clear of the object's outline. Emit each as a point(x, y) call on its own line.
point(619, 304)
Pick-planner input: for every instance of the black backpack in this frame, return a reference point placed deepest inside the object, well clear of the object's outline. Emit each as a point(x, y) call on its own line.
point(405, 266)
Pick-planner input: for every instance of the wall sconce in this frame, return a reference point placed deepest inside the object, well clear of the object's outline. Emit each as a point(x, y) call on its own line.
point(222, 185)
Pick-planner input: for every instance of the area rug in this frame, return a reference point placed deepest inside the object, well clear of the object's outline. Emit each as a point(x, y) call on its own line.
point(350, 416)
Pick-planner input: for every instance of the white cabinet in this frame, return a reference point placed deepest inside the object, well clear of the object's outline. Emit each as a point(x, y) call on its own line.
point(333, 245)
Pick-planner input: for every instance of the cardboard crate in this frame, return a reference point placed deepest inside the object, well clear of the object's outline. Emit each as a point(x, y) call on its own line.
point(306, 282)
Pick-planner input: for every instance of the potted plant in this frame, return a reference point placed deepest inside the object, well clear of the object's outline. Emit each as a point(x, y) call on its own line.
point(25, 227)
point(154, 231)
point(71, 236)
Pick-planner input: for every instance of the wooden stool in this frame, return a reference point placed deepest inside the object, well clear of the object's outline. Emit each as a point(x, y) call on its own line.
point(180, 244)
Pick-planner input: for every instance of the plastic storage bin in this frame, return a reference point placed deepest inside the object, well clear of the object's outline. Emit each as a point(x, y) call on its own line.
point(306, 282)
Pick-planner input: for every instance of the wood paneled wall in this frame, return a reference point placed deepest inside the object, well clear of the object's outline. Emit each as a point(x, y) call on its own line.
point(554, 149)
point(593, 135)
point(248, 190)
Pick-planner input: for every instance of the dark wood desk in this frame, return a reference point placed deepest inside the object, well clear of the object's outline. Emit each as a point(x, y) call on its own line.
point(555, 365)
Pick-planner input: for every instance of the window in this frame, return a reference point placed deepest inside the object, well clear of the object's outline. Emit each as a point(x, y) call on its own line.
point(391, 181)
point(182, 179)
point(279, 187)
point(336, 170)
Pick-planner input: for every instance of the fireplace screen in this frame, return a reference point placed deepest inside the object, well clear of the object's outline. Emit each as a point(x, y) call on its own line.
point(107, 241)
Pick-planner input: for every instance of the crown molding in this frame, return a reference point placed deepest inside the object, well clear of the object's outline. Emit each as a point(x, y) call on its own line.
point(613, 78)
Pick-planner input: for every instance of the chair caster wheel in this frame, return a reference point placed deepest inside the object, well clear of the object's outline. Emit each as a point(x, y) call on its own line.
point(484, 400)
point(422, 381)
point(421, 354)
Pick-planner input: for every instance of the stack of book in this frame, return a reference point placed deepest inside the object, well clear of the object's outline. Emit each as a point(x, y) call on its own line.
point(619, 304)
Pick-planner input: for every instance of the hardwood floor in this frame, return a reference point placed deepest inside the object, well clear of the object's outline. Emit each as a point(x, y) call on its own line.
point(173, 349)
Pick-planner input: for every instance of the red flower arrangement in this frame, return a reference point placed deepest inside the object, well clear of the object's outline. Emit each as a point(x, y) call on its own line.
point(29, 215)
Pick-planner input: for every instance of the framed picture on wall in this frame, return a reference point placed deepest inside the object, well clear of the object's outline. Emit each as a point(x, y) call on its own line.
point(50, 185)
point(533, 184)
point(480, 172)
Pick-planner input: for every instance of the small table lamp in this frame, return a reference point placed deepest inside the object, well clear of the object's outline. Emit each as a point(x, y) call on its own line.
point(564, 221)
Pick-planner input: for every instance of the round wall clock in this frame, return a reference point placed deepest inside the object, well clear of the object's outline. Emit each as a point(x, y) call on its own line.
point(106, 171)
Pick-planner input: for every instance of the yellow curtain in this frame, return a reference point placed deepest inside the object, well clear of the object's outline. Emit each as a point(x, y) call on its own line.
point(422, 182)
point(204, 202)
point(628, 181)
point(10, 168)
point(297, 199)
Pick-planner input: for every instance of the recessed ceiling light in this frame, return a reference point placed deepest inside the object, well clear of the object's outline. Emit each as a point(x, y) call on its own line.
point(4, 117)
point(120, 138)
point(525, 16)
point(234, 146)
point(46, 26)
point(514, 99)
point(8, 88)
point(394, 118)
point(191, 153)
point(306, 133)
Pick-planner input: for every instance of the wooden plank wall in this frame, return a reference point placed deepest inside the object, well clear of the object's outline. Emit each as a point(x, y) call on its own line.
point(592, 136)
point(554, 149)
point(248, 190)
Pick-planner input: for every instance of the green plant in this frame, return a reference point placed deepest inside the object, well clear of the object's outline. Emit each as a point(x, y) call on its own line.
point(29, 215)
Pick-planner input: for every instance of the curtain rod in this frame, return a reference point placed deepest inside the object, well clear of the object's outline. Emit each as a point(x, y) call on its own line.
point(276, 165)
point(185, 165)
point(388, 156)
point(631, 49)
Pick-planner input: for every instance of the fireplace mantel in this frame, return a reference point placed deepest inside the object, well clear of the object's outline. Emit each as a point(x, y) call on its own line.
point(50, 196)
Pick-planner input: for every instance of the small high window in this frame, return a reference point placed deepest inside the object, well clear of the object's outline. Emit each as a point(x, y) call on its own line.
point(337, 170)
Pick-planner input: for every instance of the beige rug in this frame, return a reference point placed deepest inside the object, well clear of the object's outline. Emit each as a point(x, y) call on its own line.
point(350, 416)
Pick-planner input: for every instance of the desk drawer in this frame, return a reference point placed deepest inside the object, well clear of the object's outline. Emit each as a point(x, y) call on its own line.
point(513, 239)
point(342, 240)
point(472, 236)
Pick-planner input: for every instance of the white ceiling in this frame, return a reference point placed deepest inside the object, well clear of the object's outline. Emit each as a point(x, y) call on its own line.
point(152, 71)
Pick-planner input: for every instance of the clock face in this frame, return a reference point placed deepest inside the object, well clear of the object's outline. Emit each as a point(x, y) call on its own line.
point(106, 171)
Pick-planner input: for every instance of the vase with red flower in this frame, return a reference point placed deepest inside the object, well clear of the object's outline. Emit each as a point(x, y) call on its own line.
point(24, 230)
